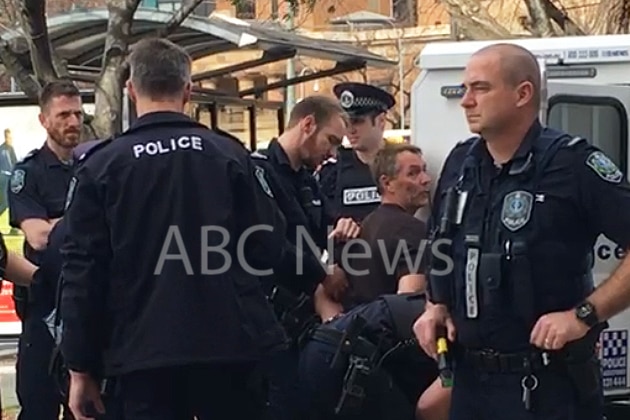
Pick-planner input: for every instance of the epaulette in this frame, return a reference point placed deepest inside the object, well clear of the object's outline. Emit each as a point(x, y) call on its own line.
point(257, 155)
point(331, 160)
point(229, 136)
point(29, 155)
point(467, 142)
point(93, 148)
point(575, 141)
point(344, 150)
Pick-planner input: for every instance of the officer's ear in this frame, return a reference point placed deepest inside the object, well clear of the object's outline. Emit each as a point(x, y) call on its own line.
point(308, 125)
point(525, 93)
point(131, 91)
point(187, 92)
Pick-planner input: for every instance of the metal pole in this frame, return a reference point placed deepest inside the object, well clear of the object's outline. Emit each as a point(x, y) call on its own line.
point(401, 84)
point(290, 90)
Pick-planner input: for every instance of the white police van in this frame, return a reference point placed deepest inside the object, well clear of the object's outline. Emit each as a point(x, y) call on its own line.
point(587, 94)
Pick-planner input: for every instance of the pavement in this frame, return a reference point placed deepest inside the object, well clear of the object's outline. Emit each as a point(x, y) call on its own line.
point(8, 352)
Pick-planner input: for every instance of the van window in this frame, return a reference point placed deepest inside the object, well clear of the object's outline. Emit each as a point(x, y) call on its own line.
point(600, 120)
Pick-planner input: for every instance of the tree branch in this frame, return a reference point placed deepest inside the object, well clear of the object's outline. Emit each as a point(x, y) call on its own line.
point(474, 21)
point(178, 18)
point(27, 82)
point(540, 22)
point(33, 17)
point(109, 88)
point(562, 19)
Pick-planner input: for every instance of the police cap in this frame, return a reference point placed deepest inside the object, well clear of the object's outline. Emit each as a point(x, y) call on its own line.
point(361, 99)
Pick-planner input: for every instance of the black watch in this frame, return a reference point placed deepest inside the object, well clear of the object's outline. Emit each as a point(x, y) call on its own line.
point(585, 312)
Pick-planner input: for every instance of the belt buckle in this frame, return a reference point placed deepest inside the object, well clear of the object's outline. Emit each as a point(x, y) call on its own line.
point(490, 360)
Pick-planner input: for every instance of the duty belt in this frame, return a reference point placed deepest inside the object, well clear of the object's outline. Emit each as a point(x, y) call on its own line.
point(491, 361)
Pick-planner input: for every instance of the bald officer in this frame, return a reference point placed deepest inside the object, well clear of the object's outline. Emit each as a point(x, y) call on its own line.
point(346, 179)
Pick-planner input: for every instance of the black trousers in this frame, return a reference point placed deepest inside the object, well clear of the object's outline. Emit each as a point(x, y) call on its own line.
point(204, 392)
point(37, 392)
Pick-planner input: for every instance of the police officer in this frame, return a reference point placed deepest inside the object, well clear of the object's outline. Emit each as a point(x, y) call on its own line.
point(365, 364)
point(346, 179)
point(37, 192)
point(534, 201)
point(179, 331)
point(316, 125)
point(49, 274)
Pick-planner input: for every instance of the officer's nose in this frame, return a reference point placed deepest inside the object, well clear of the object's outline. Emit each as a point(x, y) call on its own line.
point(467, 101)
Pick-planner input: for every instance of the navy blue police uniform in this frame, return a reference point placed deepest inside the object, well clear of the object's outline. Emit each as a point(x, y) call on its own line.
point(345, 179)
point(374, 371)
point(522, 249)
point(179, 331)
point(49, 276)
point(37, 190)
point(290, 289)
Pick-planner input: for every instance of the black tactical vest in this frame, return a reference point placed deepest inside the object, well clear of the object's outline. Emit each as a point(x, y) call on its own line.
point(502, 237)
point(356, 195)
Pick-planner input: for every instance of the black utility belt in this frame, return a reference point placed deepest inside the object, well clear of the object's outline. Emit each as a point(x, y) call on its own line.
point(491, 361)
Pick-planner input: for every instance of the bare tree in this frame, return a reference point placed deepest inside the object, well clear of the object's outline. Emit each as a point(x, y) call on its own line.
point(545, 18)
point(44, 66)
point(394, 46)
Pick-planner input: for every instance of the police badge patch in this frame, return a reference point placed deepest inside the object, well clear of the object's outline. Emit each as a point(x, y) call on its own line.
point(70, 195)
point(17, 180)
point(604, 167)
point(346, 99)
point(260, 176)
point(517, 209)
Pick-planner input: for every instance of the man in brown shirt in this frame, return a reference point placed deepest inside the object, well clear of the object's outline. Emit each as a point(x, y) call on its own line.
point(388, 255)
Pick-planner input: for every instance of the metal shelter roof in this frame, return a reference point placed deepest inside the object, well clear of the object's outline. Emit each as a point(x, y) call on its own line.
point(79, 37)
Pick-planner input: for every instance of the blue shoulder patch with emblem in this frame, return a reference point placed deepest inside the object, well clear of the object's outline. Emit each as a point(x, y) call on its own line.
point(18, 179)
point(261, 177)
point(604, 167)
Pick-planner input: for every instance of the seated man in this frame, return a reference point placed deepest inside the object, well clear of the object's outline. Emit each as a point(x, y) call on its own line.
point(383, 362)
point(388, 258)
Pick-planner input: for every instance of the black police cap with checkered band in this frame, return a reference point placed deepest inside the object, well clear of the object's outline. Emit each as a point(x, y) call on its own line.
point(360, 99)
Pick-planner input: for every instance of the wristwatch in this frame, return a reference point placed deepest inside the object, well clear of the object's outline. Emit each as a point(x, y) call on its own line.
point(585, 312)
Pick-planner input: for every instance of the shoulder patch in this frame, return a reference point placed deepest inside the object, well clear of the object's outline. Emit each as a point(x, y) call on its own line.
point(17, 180)
point(604, 167)
point(262, 180)
point(70, 195)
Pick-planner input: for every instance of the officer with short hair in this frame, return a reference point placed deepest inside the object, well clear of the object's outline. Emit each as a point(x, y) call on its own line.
point(392, 258)
point(180, 332)
point(37, 192)
point(346, 179)
point(365, 364)
point(519, 209)
point(49, 273)
point(316, 125)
